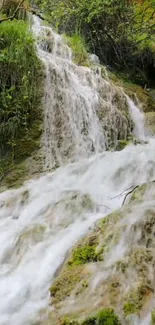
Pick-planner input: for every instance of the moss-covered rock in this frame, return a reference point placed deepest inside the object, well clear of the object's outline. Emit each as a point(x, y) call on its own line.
point(134, 91)
point(150, 121)
point(122, 144)
point(67, 282)
point(123, 277)
point(105, 316)
point(136, 299)
point(129, 308)
point(153, 317)
point(86, 253)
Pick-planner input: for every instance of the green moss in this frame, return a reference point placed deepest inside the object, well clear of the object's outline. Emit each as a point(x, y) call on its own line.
point(82, 255)
point(107, 317)
point(153, 317)
point(122, 144)
point(78, 46)
point(16, 176)
point(110, 220)
point(68, 321)
point(136, 299)
point(66, 282)
point(129, 308)
point(139, 192)
point(86, 253)
point(91, 320)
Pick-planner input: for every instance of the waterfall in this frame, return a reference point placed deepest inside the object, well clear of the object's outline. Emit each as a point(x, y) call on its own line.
point(42, 220)
point(84, 112)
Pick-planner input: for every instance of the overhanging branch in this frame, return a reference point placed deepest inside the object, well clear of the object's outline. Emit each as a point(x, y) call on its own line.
point(14, 14)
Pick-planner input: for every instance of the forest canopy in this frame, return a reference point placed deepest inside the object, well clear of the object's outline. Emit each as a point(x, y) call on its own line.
point(120, 32)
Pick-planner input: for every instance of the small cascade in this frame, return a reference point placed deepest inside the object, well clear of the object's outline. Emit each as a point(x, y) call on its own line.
point(84, 112)
point(138, 119)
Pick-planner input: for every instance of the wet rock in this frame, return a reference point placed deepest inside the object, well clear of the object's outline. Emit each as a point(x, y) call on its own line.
point(132, 320)
point(150, 121)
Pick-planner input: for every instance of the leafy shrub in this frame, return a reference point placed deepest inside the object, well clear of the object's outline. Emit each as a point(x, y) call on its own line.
point(20, 85)
point(78, 46)
point(120, 32)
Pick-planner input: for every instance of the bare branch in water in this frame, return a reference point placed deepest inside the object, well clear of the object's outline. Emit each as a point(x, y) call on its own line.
point(121, 194)
point(102, 205)
point(129, 193)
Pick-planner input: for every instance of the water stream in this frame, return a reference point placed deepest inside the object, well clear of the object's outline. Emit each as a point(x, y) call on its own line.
point(41, 221)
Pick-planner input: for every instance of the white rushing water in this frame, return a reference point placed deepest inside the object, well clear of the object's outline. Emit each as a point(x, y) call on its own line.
point(41, 221)
point(84, 113)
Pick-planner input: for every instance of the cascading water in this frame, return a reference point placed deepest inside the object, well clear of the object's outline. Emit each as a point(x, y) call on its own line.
point(84, 113)
point(40, 222)
point(138, 119)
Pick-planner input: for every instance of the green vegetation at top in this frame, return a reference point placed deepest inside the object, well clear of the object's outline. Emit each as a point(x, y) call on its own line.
point(120, 32)
point(20, 94)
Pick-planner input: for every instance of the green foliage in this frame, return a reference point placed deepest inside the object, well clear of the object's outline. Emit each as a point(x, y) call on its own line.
point(120, 32)
point(82, 255)
point(107, 317)
point(129, 308)
point(91, 320)
point(122, 144)
point(20, 91)
point(78, 46)
point(85, 254)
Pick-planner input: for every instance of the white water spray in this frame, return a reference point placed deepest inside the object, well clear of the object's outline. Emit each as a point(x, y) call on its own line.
point(138, 119)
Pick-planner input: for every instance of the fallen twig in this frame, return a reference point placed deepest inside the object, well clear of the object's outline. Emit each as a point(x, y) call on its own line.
point(105, 206)
point(129, 193)
point(119, 195)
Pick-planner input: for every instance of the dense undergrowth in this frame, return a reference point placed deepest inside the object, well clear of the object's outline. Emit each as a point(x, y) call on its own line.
point(20, 94)
point(120, 32)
